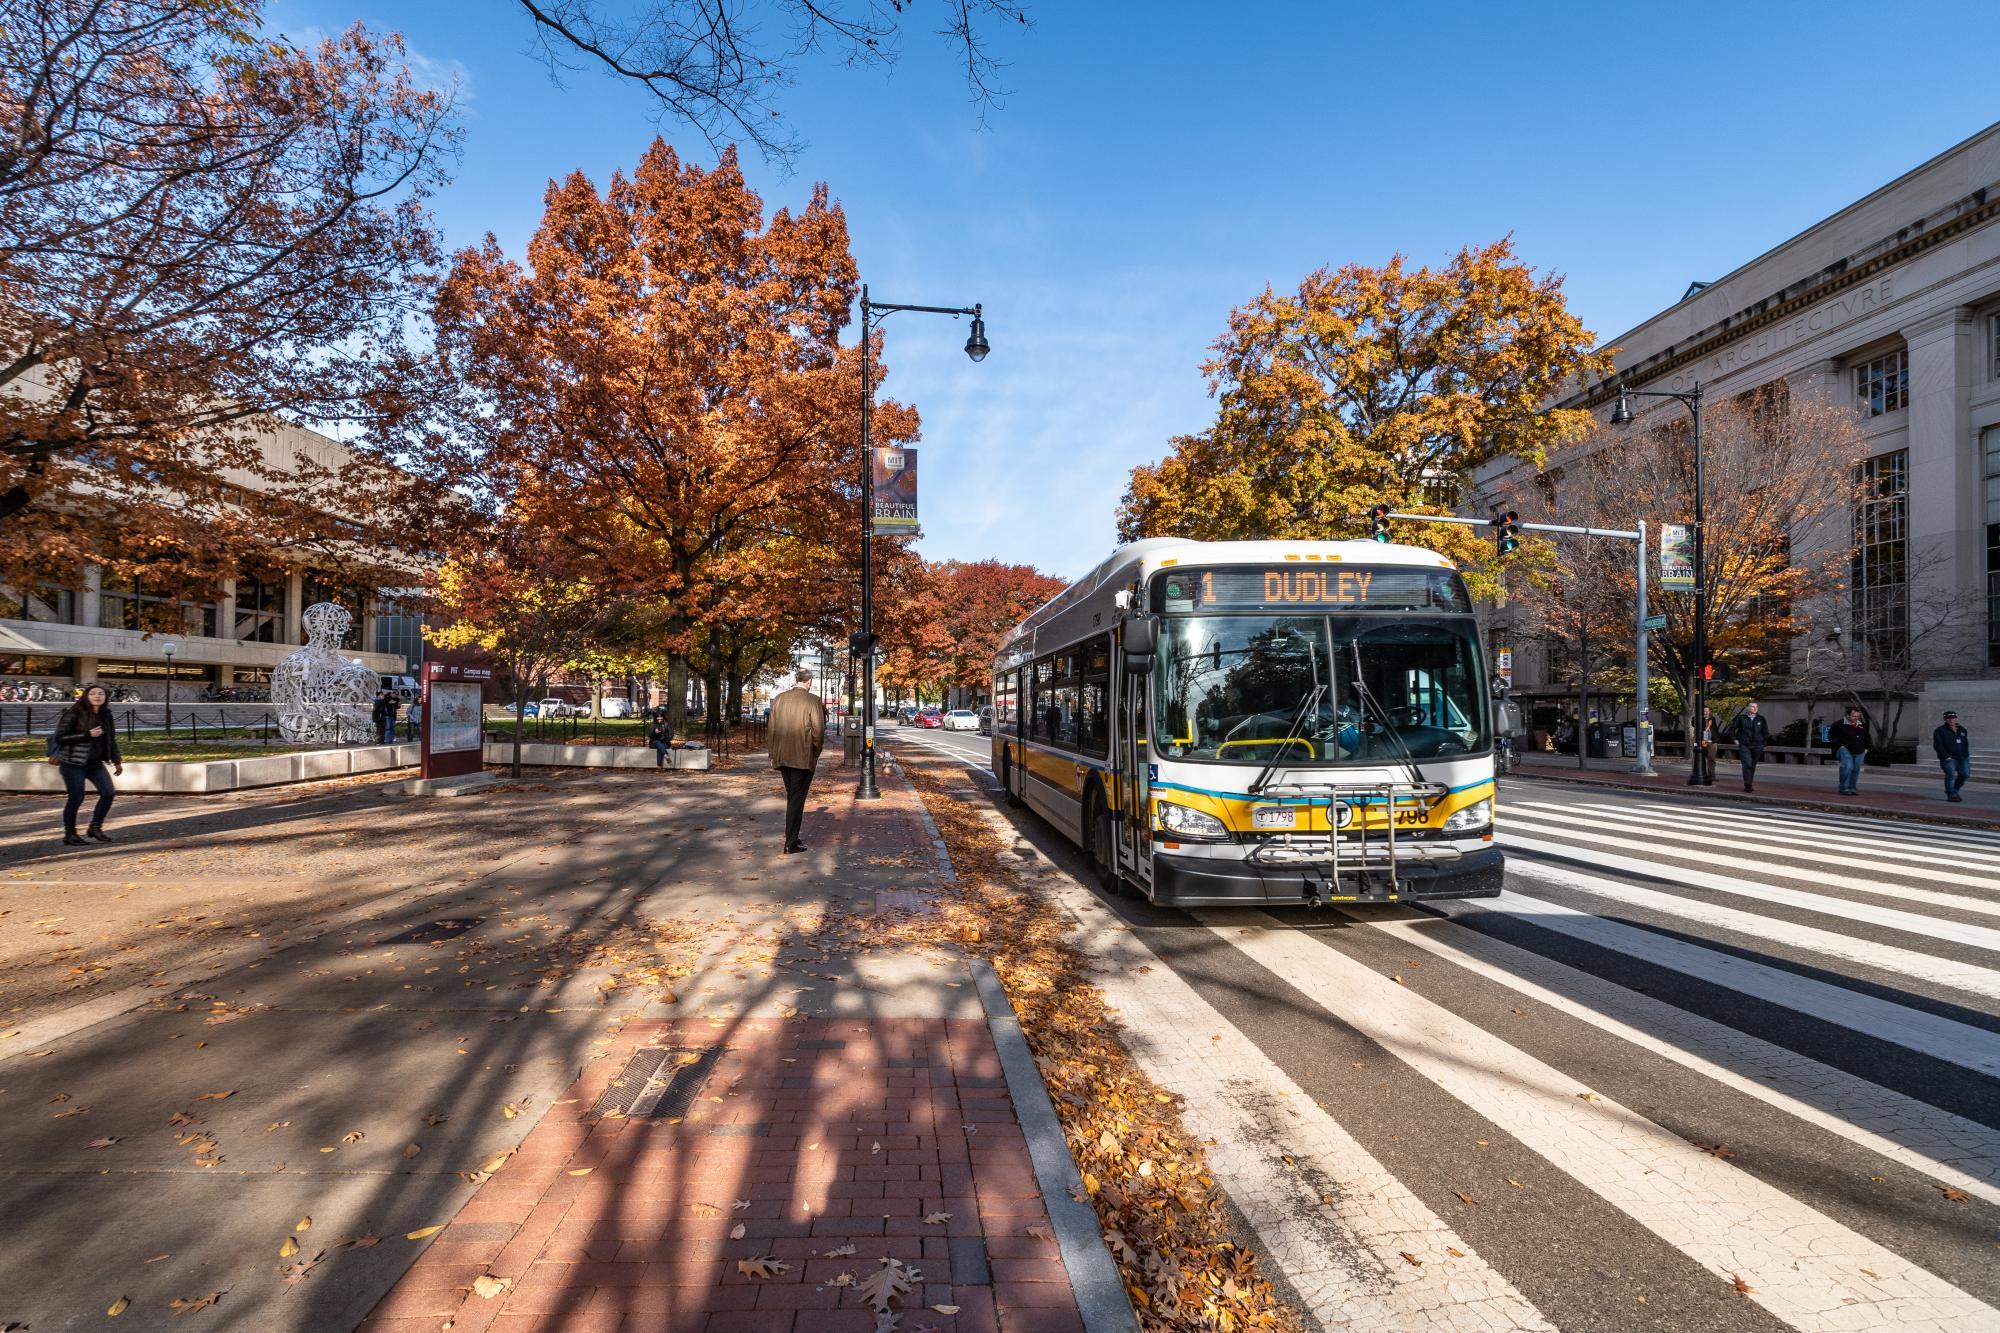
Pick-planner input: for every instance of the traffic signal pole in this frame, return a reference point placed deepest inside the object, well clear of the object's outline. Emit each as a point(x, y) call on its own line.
point(1643, 764)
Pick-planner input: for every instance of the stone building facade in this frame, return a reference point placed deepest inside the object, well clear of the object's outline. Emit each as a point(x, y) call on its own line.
point(1892, 305)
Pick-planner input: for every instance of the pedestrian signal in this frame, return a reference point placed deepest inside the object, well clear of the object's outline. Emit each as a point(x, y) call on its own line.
point(1378, 521)
point(1507, 532)
point(1707, 672)
point(860, 644)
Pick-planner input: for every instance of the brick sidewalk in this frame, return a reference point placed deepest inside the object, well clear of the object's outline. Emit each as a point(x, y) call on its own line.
point(811, 1134)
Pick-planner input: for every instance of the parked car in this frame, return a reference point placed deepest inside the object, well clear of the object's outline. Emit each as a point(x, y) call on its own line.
point(961, 719)
point(986, 720)
point(907, 715)
point(932, 721)
point(553, 707)
point(616, 708)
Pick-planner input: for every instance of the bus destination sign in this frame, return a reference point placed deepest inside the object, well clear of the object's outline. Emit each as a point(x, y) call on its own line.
point(1310, 588)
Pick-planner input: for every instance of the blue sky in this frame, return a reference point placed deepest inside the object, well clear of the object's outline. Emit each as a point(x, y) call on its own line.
point(1156, 164)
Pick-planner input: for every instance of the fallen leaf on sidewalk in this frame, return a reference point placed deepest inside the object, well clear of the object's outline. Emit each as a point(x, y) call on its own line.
point(216, 1097)
point(936, 1219)
point(304, 1224)
point(1038, 1231)
point(876, 1147)
point(497, 1162)
point(1955, 1195)
point(488, 1286)
point(358, 1243)
point(180, 1118)
point(839, 1252)
point(1412, 1260)
point(583, 1171)
point(740, 1205)
point(1463, 1197)
point(289, 1248)
point(411, 1151)
point(510, 1110)
point(436, 1119)
point(119, 1306)
point(300, 1271)
point(885, 1284)
point(945, 1309)
point(422, 1232)
point(277, 1124)
point(189, 1304)
point(762, 1268)
point(352, 1136)
point(738, 1232)
point(156, 1258)
point(100, 1143)
point(1741, 1285)
point(700, 1209)
point(75, 1110)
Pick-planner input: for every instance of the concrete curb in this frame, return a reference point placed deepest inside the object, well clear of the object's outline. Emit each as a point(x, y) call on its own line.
point(1100, 1295)
point(1809, 803)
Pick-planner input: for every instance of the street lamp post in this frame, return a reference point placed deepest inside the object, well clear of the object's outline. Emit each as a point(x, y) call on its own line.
point(1621, 415)
point(170, 649)
point(975, 347)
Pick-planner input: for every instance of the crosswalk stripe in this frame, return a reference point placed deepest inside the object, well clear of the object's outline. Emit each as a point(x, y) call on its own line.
point(1797, 1263)
point(1942, 1039)
point(1937, 1143)
point(1895, 856)
point(1841, 822)
point(1956, 932)
point(1330, 1216)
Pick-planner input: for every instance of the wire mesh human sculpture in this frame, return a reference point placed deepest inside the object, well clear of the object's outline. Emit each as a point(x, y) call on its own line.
point(318, 694)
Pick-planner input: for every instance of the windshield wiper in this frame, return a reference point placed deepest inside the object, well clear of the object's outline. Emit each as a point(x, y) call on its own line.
point(1382, 715)
point(1310, 706)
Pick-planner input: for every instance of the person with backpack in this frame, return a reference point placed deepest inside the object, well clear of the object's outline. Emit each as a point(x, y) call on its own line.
point(1849, 738)
point(84, 741)
point(1953, 745)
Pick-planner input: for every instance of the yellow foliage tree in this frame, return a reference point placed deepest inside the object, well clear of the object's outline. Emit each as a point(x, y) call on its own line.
point(1366, 386)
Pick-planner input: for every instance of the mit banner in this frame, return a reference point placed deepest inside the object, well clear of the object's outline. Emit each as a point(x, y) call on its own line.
point(1676, 557)
point(895, 482)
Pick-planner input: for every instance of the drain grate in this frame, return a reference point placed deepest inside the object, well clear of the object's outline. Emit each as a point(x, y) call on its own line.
point(656, 1085)
point(433, 932)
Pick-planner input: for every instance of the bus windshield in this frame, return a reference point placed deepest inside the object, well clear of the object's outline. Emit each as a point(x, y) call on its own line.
point(1318, 690)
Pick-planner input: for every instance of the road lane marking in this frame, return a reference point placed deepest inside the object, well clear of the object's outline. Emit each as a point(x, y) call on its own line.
point(1936, 1143)
point(1328, 1214)
point(1797, 1263)
point(1983, 980)
point(1834, 822)
point(1894, 858)
point(1943, 1039)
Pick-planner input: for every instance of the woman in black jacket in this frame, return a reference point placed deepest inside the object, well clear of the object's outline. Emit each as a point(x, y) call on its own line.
point(85, 740)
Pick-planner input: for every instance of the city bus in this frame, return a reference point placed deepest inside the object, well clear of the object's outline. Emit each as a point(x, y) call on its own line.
point(1257, 723)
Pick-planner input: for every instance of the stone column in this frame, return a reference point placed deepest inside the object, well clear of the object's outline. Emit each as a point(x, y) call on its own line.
point(1945, 519)
point(225, 610)
point(90, 609)
point(295, 592)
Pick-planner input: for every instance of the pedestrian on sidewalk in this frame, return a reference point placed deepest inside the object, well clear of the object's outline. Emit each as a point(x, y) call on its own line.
point(797, 731)
point(660, 735)
point(1849, 738)
point(1751, 733)
point(85, 740)
point(416, 716)
point(1706, 777)
point(1953, 744)
point(386, 707)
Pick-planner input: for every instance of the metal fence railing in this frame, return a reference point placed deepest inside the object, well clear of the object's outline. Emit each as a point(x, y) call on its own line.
point(741, 738)
point(195, 721)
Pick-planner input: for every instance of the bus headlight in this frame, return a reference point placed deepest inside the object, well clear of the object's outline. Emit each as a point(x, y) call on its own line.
point(1182, 822)
point(1471, 819)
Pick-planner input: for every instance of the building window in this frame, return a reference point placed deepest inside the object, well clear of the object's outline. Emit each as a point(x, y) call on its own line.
point(260, 609)
point(400, 632)
point(1880, 572)
point(48, 605)
point(1883, 385)
point(1991, 442)
point(126, 603)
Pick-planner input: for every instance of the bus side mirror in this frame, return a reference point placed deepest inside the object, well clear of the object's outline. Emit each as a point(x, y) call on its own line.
point(1142, 637)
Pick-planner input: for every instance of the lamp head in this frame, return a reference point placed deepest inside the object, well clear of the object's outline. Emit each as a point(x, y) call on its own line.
point(1621, 414)
point(976, 345)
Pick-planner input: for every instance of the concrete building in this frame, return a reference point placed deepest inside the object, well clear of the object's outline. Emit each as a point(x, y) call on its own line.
point(1891, 305)
point(90, 628)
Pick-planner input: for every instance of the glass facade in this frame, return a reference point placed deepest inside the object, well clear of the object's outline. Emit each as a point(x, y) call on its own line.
point(260, 609)
point(125, 603)
point(54, 606)
point(1879, 575)
point(398, 630)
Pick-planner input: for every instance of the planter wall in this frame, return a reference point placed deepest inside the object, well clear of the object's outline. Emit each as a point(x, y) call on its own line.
point(266, 770)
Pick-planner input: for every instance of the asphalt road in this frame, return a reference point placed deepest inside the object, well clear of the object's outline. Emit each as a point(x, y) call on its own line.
point(1699, 1067)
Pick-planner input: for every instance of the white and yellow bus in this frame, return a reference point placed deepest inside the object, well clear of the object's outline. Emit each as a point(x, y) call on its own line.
point(1258, 723)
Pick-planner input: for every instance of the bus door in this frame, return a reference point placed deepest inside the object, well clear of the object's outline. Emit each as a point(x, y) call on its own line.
point(1133, 786)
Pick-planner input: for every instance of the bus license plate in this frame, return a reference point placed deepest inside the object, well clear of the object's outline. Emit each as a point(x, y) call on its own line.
point(1274, 816)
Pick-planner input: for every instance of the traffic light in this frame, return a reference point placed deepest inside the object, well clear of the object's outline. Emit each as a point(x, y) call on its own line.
point(1378, 521)
point(860, 644)
point(1506, 532)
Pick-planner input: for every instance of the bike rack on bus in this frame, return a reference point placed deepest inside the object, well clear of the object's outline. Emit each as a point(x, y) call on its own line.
point(1305, 854)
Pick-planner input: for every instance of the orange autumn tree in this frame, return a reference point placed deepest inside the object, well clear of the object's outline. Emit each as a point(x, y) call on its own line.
point(203, 228)
point(1370, 386)
point(665, 369)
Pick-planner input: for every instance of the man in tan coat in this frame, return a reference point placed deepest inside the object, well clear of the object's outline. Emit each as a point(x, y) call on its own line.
point(798, 729)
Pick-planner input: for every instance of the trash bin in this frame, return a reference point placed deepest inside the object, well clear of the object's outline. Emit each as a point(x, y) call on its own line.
point(850, 749)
